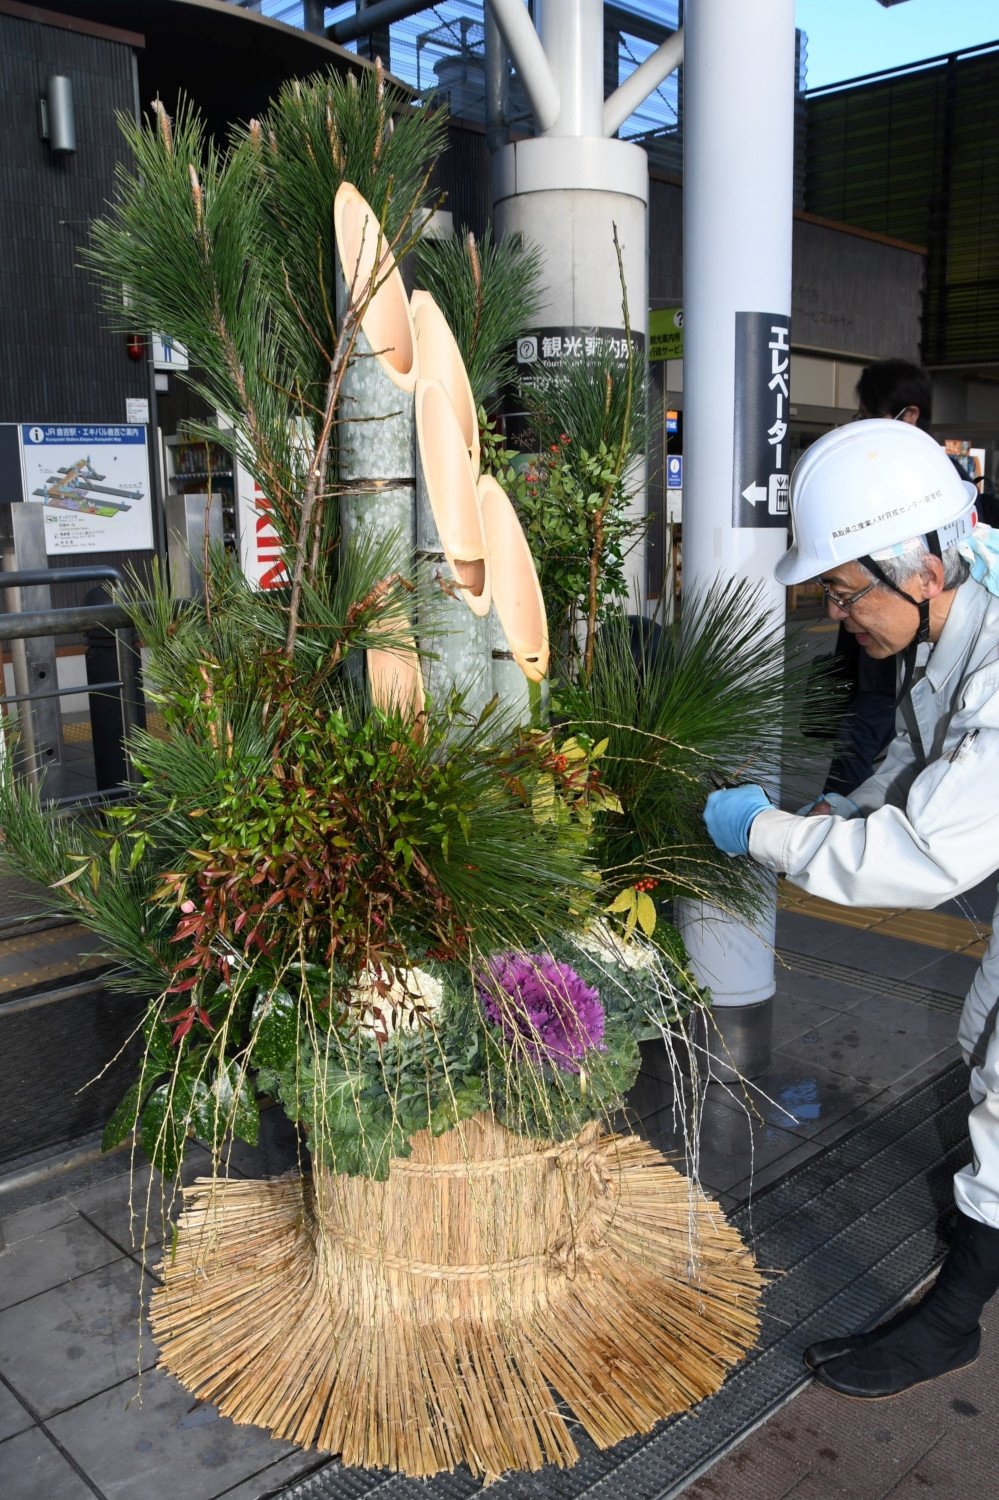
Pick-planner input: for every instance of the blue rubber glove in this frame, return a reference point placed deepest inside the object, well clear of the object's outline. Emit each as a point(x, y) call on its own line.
point(729, 815)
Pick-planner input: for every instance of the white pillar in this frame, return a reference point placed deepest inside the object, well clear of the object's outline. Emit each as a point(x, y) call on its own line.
point(572, 34)
point(568, 189)
point(738, 181)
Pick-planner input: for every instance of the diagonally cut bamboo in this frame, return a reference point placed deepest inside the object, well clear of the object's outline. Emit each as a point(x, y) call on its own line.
point(375, 432)
point(440, 359)
point(426, 1321)
point(517, 598)
point(449, 517)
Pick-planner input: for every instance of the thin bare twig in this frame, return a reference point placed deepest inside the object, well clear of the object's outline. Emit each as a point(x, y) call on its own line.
point(621, 458)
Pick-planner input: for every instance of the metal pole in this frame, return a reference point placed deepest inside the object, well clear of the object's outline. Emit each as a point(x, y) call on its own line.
point(573, 38)
point(738, 181)
point(497, 84)
point(127, 651)
point(34, 658)
point(314, 16)
point(535, 70)
point(371, 17)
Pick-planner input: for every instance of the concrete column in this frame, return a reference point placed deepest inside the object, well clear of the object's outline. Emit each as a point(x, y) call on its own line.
point(738, 182)
point(567, 195)
point(572, 34)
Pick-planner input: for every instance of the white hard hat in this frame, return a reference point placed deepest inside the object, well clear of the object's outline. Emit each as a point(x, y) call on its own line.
point(866, 488)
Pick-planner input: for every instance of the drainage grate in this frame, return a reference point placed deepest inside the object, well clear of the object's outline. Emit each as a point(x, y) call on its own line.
point(899, 989)
point(853, 1230)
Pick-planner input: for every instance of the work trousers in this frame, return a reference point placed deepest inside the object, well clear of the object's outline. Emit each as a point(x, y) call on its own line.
point(976, 1187)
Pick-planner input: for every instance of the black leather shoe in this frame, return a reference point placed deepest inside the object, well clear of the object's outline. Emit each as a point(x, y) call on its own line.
point(938, 1336)
point(884, 1369)
point(826, 1349)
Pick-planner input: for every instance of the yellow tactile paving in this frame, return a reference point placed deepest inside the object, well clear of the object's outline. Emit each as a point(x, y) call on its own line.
point(38, 941)
point(931, 928)
point(23, 959)
point(79, 734)
point(33, 974)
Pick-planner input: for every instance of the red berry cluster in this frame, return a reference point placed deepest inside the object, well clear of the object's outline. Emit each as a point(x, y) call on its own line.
point(646, 885)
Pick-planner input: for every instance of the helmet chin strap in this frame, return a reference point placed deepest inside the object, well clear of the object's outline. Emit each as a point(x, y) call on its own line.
point(921, 605)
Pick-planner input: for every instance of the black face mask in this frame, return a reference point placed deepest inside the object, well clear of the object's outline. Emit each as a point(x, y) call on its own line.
point(922, 606)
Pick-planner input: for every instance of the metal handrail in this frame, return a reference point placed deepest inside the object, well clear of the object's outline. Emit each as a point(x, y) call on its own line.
point(73, 620)
point(73, 691)
point(34, 577)
point(70, 621)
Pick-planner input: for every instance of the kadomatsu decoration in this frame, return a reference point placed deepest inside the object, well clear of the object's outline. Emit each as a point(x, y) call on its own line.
point(346, 885)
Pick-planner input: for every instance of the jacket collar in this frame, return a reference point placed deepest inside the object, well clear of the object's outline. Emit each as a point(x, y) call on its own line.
point(960, 630)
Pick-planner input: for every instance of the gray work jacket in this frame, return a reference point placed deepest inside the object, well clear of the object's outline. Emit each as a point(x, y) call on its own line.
point(929, 822)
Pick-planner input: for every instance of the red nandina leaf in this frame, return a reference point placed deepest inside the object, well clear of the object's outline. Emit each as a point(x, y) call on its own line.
point(185, 984)
point(184, 1019)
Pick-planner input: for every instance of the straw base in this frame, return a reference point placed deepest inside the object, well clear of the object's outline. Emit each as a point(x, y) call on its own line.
point(275, 1310)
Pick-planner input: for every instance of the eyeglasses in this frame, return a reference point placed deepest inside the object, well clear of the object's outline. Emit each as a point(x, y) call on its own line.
point(865, 416)
point(845, 602)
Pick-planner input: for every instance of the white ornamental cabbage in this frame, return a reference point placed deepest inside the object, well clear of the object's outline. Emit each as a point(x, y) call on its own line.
point(605, 944)
point(405, 1004)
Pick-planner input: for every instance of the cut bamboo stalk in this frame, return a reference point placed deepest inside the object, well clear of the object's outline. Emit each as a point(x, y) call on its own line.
point(440, 359)
point(511, 688)
point(453, 642)
point(375, 433)
point(520, 622)
point(449, 517)
point(376, 512)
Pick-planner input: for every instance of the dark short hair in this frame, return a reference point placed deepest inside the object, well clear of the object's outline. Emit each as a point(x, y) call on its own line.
point(889, 385)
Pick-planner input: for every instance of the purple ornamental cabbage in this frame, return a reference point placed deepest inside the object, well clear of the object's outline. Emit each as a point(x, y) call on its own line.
point(558, 1017)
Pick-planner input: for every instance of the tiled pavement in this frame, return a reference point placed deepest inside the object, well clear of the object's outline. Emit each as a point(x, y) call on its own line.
point(860, 1017)
point(940, 1440)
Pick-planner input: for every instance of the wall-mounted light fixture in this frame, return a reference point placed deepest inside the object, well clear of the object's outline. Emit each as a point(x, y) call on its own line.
point(56, 122)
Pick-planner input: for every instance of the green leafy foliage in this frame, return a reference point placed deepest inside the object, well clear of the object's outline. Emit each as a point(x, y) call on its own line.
point(561, 496)
point(554, 1105)
point(685, 707)
point(360, 1099)
point(593, 400)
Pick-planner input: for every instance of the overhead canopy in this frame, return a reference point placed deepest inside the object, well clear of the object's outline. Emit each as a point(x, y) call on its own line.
point(228, 60)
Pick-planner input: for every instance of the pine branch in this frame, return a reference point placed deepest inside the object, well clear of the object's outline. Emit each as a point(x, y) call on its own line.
point(613, 484)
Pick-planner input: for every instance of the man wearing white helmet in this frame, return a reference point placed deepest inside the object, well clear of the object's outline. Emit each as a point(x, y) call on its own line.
point(883, 521)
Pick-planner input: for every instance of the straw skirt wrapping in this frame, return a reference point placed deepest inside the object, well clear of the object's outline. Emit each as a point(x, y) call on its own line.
point(426, 1321)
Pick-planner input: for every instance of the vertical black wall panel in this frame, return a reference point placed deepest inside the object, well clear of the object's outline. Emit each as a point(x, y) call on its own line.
point(60, 363)
point(58, 360)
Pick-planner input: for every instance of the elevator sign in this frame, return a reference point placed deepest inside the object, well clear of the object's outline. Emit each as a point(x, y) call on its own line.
point(761, 451)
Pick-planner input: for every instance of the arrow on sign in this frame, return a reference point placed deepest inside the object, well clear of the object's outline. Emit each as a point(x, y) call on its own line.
point(754, 493)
